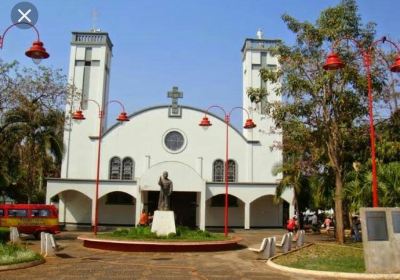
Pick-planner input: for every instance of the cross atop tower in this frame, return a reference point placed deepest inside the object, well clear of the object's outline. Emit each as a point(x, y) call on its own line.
point(175, 110)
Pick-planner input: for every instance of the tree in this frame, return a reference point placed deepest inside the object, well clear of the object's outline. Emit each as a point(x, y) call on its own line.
point(31, 129)
point(329, 106)
point(358, 181)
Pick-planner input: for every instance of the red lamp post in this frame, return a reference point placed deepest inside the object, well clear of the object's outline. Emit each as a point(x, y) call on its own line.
point(333, 62)
point(37, 52)
point(205, 122)
point(78, 115)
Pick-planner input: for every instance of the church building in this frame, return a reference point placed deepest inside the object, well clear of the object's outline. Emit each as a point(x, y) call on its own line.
point(134, 154)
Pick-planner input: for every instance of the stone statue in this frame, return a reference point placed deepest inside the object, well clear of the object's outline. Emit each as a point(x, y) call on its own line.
point(165, 192)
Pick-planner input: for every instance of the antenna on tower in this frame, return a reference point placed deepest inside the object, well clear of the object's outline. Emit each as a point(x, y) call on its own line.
point(94, 21)
point(260, 34)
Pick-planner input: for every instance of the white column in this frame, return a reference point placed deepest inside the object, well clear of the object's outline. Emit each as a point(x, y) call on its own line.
point(202, 208)
point(250, 158)
point(291, 210)
point(61, 209)
point(147, 162)
point(139, 206)
point(199, 166)
point(246, 215)
point(93, 210)
point(48, 199)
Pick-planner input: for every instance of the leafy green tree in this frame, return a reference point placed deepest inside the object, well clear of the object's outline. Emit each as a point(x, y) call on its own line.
point(358, 181)
point(358, 186)
point(329, 105)
point(31, 129)
point(389, 184)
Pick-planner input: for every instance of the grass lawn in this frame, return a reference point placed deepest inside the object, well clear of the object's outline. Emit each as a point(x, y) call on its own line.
point(328, 257)
point(144, 233)
point(12, 254)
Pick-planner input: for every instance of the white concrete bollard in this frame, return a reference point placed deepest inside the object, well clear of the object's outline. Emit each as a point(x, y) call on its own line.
point(48, 245)
point(14, 236)
point(42, 243)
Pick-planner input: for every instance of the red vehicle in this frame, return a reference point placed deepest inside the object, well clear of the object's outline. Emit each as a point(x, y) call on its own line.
point(30, 218)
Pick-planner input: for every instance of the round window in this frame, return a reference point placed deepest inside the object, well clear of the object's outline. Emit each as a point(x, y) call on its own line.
point(174, 141)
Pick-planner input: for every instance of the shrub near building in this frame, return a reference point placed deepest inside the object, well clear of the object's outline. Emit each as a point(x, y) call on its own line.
point(12, 253)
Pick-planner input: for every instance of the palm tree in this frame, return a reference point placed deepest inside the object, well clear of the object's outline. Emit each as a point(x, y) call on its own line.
point(358, 187)
point(292, 178)
point(357, 190)
point(39, 144)
point(389, 184)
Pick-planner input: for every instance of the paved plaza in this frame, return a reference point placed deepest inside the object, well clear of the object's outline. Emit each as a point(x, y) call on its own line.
point(76, 262)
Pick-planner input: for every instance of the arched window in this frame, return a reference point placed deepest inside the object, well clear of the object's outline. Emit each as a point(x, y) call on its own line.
point(115, 168)
point(218, 171)
point(127, 169)
point(231, 170)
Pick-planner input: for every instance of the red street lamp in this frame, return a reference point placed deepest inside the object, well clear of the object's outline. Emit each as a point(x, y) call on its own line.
point(205, 122)
point(78, 115)
point(333, 62)
point(37, 52)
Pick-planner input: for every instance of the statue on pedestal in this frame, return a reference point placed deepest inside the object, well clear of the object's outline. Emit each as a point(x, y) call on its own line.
point(165, 192)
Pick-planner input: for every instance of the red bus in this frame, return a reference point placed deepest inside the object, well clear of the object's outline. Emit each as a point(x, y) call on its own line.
point(30, 218)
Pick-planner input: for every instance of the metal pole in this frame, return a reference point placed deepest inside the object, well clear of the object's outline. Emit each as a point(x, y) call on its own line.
point(367, 64)
point(226, 176)
point(98, 174)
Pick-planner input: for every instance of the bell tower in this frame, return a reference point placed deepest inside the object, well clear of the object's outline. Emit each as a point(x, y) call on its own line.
point(255, 56)
point(89, 72)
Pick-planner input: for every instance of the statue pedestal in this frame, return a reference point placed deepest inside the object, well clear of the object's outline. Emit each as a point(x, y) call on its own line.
point(163, 223)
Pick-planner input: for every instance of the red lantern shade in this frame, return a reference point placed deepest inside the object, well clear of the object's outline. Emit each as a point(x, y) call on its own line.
point(37, 51)
point(123, 117)
point(205, 122)
point(249, 124)
point(78, 115)
point(396, 65)
point(333, 62)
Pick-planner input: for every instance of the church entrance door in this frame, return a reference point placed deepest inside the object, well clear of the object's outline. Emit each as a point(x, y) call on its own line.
point(184, 206)
point(182, 203)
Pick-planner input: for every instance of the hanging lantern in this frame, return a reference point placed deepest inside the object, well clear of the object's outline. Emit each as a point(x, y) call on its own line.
point(37, 52)
point(249, 124)
point(123, 117)
point(333, 62)
point(78, 115)
point(396, 65)
point(205, 122)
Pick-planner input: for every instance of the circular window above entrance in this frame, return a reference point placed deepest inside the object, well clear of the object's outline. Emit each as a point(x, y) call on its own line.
point(174, 141)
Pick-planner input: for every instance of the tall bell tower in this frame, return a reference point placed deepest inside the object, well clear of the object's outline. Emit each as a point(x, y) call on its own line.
point(256, 56)
point(89, 75)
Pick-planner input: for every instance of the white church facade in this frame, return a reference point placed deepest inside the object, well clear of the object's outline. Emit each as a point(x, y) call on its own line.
point(134, 154)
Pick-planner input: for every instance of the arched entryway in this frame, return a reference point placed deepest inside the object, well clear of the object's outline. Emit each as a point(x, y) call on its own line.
point(117, 208)
point(265, 212)
point(188, 196)
point(74, 208)
point(184, 205)
point(215, 211)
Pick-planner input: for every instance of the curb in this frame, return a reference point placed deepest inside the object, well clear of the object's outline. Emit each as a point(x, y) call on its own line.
point(159, 246)
point(21, 265)
point(337, 275)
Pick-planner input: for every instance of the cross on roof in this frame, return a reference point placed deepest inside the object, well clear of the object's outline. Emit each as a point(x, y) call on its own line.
point(174, 109)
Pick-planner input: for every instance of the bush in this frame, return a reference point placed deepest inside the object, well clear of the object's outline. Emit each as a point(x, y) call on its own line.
point(4, 234)
point(11, 254)
point(182, 233)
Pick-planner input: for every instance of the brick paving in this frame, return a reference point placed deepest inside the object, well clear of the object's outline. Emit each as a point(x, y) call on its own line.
point(77, 262)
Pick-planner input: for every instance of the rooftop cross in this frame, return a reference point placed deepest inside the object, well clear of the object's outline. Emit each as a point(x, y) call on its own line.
point(175, 110)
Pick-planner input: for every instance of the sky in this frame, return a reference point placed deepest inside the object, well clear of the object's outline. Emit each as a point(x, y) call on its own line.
point(158, 44)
